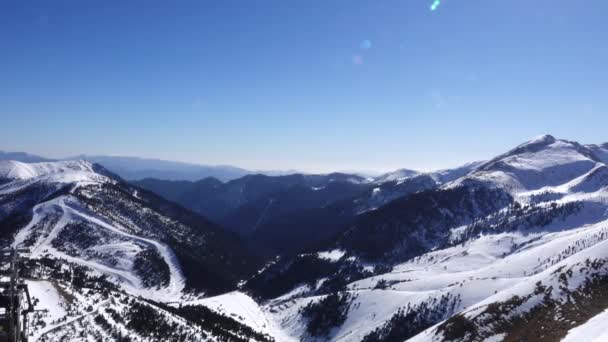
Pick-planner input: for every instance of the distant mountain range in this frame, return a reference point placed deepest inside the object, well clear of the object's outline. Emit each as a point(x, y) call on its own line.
point(134, 168)
point(276, 213)
point(23, 157)
point(511, 249)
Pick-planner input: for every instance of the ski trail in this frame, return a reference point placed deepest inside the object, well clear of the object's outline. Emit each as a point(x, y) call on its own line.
point(129, 279)
point(52, 328)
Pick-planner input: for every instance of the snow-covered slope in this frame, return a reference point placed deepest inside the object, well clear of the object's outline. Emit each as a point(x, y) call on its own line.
point(398, 175)
point(10, 169)
point(79, 212)
point(104, 256)
point(542, 162)
point(515, 248)
point(69, 313)
point(533, 269)
point(62, 227)
point(595, 330)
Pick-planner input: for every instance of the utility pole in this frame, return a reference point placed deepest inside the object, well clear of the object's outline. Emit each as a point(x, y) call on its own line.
point(13, 291)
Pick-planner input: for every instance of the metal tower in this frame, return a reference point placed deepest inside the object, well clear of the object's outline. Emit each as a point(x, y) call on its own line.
point(15, 301)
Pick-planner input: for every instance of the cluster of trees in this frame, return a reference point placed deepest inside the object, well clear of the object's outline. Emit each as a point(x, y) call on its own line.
point(576, 247)
point(326, 314)
point(518, 217)
point(150, 322)
point(222, 327)
point(61, 270)
point(410, 226)
point(212, 259)
point(412, 320)
point(77, 237)
point(549, 319)
point(152, 268)
point(286, 274)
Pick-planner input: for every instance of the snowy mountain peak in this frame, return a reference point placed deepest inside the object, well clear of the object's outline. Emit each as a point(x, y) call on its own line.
point(14, 170)
point(542, 162)
point(545, 139)
point(397, 175)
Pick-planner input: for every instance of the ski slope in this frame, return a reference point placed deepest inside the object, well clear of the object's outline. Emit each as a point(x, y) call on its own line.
point(51, 217)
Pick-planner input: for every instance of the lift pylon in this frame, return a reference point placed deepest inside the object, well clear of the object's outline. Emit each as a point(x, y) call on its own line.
point(15, 301)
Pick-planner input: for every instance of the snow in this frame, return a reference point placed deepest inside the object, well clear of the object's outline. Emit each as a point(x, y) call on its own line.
point(520, 170)
point(333, 255)
point(594, 330)
point(398, 175)
point(48, 298)
point(69, 210)
point(244, 309)
point(492, 268)
point(483, 270)
point(10, 169)
point(122, 270)
point(22, 175)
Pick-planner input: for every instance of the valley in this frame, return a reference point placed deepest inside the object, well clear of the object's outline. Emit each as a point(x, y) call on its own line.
point(492, 251)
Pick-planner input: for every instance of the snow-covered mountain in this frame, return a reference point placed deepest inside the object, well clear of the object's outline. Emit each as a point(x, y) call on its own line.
point(397, 175)
point(80, 212)
point(515, 250)
point(439, 176)
point(104, 246)
point(135, 168)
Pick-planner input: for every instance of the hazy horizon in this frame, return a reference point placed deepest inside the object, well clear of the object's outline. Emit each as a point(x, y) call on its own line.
point(292, 170)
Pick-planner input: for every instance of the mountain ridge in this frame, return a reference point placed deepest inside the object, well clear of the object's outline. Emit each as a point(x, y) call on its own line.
point(497, 250)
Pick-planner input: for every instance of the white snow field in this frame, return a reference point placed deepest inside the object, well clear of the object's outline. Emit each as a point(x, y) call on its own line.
point(595, 330)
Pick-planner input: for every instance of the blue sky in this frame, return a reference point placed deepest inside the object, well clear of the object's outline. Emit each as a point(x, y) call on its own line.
point(310, 85)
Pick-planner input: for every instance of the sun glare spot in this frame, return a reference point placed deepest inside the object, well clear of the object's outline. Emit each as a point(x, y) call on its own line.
point(435, 5)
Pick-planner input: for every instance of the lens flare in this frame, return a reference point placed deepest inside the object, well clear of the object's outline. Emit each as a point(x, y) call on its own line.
point(357, 60)
point(366, 44)
point(435, 5)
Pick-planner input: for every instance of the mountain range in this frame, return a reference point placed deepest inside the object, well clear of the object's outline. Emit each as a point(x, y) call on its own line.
point(135, 168)
point(510, 249)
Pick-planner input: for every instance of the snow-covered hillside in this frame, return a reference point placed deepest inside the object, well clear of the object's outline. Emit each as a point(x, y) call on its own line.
point(67, 313)
point(97, 244)
point(63, 227)
point(515, 248)
point(540, 261)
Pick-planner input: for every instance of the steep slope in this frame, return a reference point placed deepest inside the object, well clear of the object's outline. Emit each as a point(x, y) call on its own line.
point(79, 212)
point(539, 163)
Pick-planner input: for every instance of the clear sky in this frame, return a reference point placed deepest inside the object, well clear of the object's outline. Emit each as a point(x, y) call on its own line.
point(315, 85)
